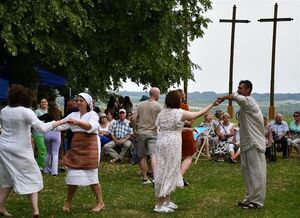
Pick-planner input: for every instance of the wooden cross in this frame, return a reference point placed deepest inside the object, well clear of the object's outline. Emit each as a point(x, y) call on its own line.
point(274, 20)
point(233, 21)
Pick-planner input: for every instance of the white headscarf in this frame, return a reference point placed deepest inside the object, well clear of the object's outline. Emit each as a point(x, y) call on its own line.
point(87, 98)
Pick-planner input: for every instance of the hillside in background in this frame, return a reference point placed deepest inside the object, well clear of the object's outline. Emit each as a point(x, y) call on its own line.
point(284, 103)
point(209, 96)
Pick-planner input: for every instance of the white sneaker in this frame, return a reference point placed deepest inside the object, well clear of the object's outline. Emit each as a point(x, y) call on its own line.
point(171, 205)
point(146, 181)
point(162, 209)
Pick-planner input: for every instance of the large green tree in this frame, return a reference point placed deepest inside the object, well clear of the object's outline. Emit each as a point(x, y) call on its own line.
point(100, 43)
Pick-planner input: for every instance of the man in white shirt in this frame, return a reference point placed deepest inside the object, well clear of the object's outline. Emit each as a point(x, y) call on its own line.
point(252, 142)
point(280, 130)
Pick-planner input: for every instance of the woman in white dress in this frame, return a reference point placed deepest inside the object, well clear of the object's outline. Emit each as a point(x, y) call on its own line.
point(82, 159)
point(170, 123)
point(18, 168)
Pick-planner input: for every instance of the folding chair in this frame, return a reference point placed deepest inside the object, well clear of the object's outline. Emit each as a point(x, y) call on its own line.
point(204, 141)
point(200, 149)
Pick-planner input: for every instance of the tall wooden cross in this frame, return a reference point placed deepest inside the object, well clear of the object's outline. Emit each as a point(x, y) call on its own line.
point(274, 20)
point(233, 21)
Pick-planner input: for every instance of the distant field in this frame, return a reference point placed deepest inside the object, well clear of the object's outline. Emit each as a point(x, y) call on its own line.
point(284, 103)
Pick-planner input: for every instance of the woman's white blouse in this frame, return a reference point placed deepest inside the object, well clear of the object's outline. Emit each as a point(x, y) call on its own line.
point(90, 117)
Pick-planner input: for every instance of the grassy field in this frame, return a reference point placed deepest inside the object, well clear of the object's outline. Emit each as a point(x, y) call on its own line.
point(214, 189)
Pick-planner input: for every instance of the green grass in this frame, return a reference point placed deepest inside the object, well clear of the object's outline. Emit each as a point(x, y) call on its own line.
point(213, 191)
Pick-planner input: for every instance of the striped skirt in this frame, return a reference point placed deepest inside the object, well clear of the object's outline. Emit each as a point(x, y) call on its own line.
point(83, 154)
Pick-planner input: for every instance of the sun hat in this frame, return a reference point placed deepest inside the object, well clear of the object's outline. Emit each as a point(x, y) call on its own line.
point(219, 112)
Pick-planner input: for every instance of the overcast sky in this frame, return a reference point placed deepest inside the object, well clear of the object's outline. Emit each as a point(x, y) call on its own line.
point(253, 47)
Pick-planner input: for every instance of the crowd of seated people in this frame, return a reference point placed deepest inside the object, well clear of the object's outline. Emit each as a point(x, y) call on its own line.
point(115, 131)
point(281, 136)
point(294, 128)
point(220, 136)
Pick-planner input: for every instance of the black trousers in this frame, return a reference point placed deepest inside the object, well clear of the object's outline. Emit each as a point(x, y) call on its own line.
point(284, 146)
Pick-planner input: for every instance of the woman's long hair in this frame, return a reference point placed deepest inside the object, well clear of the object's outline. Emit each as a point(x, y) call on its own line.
point(53, 111)
point(128, 105)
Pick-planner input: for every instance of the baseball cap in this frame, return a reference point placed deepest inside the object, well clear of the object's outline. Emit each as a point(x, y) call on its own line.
point(144, 98)
point(122, 110)
point(102, 115)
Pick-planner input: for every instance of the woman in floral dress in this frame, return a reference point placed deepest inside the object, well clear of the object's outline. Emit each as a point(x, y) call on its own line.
point(170, 122)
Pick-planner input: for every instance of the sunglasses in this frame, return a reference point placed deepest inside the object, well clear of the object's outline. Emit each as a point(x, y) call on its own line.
point(296, 115)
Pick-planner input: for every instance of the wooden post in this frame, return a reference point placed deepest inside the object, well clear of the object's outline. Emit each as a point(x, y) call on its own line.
point(233, 21)
point(272, 82)
point(186, 52)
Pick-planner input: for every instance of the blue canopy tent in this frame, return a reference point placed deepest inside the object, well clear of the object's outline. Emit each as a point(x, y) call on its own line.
point(4, 84)
point(4, 81)
point(48, 79)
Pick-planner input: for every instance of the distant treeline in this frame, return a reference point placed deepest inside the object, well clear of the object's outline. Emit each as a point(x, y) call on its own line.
point(209, 96)
point(284, 103)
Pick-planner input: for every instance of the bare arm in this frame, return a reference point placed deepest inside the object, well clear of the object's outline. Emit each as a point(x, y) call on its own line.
point(218, 132)
point(103, 132)
point(188, 115)
point(120, 141)
point(133, 120)
point(270, 137)
point(225, 97)
point(284, 134)
point(80, 123)
point(59, 122)
point(231, 133)
point(188, 123)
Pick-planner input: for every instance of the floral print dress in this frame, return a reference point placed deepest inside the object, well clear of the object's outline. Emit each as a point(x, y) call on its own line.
point(168, 152)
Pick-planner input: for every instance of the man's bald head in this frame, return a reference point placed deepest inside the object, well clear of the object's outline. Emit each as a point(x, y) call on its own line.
point(154, 93)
